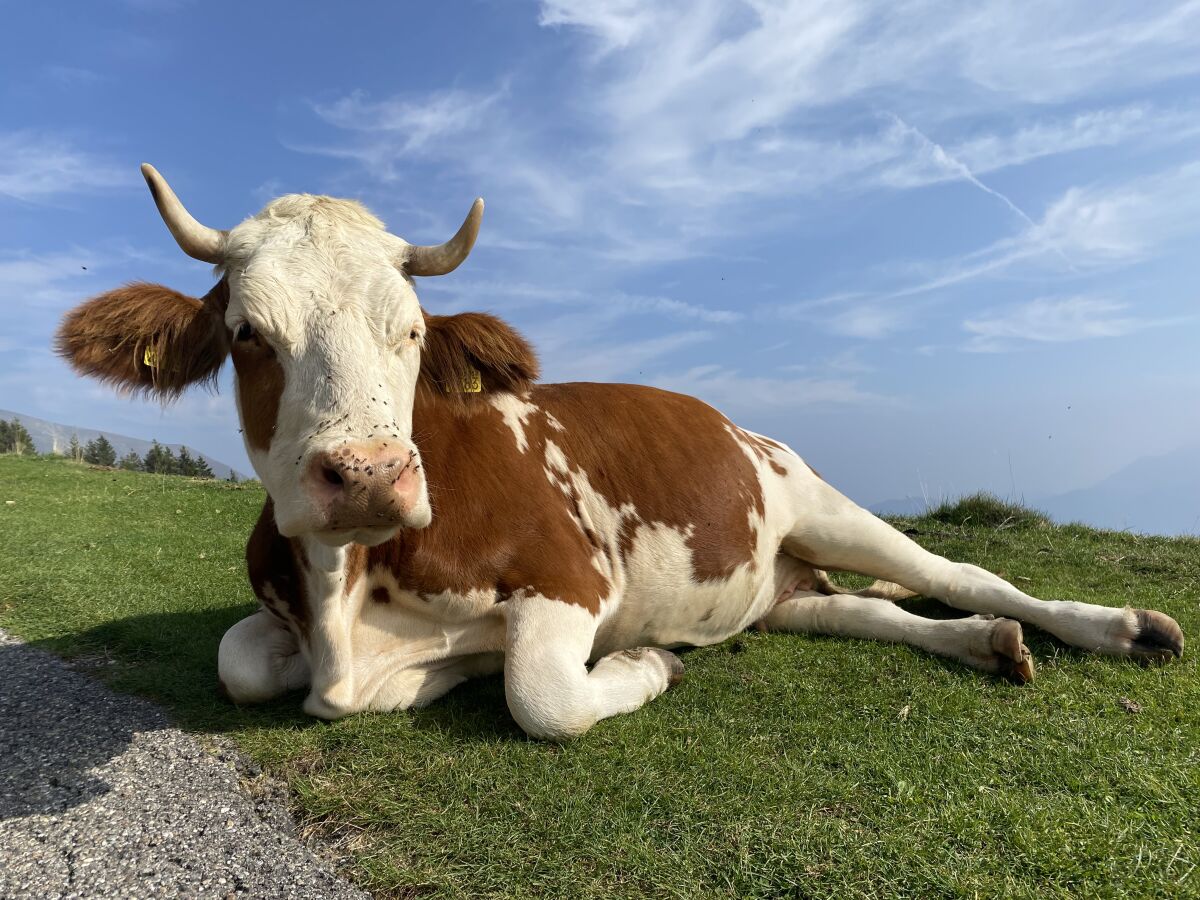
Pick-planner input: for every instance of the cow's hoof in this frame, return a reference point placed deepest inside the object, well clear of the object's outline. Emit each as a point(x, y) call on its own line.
point(1012, 660)
point(1158, 637)
point(673, 663)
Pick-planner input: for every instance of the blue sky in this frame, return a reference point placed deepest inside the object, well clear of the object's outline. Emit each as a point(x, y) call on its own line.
point(933, 246)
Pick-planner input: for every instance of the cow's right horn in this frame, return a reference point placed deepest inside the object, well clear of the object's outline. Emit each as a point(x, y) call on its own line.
point(196, 240)
point(440, 259)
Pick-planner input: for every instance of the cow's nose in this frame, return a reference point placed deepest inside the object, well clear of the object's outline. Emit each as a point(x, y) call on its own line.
point(364, 485)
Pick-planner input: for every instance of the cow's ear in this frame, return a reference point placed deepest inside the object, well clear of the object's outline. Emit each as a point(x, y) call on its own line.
point(458, 347)
point(146, 338)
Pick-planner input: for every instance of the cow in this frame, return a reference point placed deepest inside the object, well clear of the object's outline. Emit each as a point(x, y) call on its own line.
point(434, 513)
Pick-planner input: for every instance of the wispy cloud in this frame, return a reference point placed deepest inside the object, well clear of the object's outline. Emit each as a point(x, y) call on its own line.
point(515, 295)
point(1055, 320)
point(575, 359)
point(729, 390)
point(1082, 231)
point(414, 123)
point(34, 166)
point(707, 119)
point(71, 76)
point(992, 151)
point(43, 279)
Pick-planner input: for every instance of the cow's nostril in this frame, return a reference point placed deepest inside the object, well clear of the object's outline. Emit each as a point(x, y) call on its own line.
point(332, 477)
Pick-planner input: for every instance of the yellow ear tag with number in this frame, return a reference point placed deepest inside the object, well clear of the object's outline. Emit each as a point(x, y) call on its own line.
point(150, 358)
point(472, 383)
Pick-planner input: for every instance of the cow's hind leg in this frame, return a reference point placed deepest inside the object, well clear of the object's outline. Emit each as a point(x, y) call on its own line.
point(982, 642)
point(835, 533)
point(550, 690)
point(260, 659)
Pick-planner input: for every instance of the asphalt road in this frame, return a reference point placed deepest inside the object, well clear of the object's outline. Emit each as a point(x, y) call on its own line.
point(101, 797)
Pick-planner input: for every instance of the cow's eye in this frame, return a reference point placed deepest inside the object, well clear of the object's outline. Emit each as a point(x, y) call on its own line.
point(244, 332)
point(413, 335)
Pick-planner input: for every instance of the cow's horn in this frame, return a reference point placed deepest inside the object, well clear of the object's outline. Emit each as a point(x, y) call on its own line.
point(196, 240)
point(443, 258)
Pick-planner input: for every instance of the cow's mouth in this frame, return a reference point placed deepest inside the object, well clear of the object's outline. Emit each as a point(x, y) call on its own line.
point(368, 536)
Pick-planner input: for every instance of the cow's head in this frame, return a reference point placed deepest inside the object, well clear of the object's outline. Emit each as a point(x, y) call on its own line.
point(316, 306)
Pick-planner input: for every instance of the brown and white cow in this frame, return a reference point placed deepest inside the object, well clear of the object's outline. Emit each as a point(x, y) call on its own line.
point(435, 514)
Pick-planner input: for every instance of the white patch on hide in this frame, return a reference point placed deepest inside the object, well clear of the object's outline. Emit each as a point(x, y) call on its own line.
point(516, 412)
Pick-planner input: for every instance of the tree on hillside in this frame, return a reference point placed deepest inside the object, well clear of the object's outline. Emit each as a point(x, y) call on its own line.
point(14, 438)
point(232, 479)
point(131, 462)
point(184, 464)
point(160, 460)
point(74, 451)
point(203, 469)
point(100, 452)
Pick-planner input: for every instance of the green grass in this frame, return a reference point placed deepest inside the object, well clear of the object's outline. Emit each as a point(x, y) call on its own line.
point(782, 766)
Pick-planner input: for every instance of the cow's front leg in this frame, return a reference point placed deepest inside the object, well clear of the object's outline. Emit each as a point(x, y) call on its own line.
point(551, 693)
point(259, 659)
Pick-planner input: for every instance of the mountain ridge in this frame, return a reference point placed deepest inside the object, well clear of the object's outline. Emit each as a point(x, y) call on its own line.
point(55, 437)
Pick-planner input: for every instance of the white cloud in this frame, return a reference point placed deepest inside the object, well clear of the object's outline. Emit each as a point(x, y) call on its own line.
point(580, 359)
point(1101, 224)
point(416, 122)
point(28, 279)
point(34, 166)
point(514, 295)
point(694, 93)
point(1055, 320)
point(615, 23)
point(1083, 231)
point(738, 395)
point(705, 119)
point(71, 76)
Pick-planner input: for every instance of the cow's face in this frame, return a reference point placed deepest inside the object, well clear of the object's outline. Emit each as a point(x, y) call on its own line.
point(326, 337)
point(317, 309)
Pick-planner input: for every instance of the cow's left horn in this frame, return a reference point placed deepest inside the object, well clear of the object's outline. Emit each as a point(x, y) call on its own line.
point(196, 240)
point(443, 258)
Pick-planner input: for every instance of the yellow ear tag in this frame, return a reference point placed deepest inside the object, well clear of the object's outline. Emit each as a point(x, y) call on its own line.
point(472, 383)
point(150, 358)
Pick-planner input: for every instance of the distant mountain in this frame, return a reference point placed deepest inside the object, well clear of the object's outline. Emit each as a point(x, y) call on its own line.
point(1153, 495)
point(51, 437)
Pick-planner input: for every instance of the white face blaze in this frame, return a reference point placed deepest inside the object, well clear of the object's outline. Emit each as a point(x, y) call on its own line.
point(328, 368)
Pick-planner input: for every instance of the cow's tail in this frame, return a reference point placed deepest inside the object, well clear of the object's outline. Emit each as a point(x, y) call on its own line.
point(881, 590)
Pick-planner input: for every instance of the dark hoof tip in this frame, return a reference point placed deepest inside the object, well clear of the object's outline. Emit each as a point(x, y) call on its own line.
point(1015, 662)
point(674, 669)
point(1159, 637)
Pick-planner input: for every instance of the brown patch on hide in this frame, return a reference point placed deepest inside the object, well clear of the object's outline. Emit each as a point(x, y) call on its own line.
point(498, 524)
point(273, 564)
point(669, 456)
point(111, 336)
point(458, 346)
point(356, 565)
point(381, 595)
point(259, 387)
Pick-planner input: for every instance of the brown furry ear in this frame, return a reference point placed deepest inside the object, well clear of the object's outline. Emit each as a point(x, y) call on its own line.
point(458, 346)
point(147, 338)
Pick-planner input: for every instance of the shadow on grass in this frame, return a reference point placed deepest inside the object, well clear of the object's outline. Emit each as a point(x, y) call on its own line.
point(171, 658)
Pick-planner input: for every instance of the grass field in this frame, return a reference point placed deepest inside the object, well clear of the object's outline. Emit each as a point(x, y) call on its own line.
point(783, 765)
